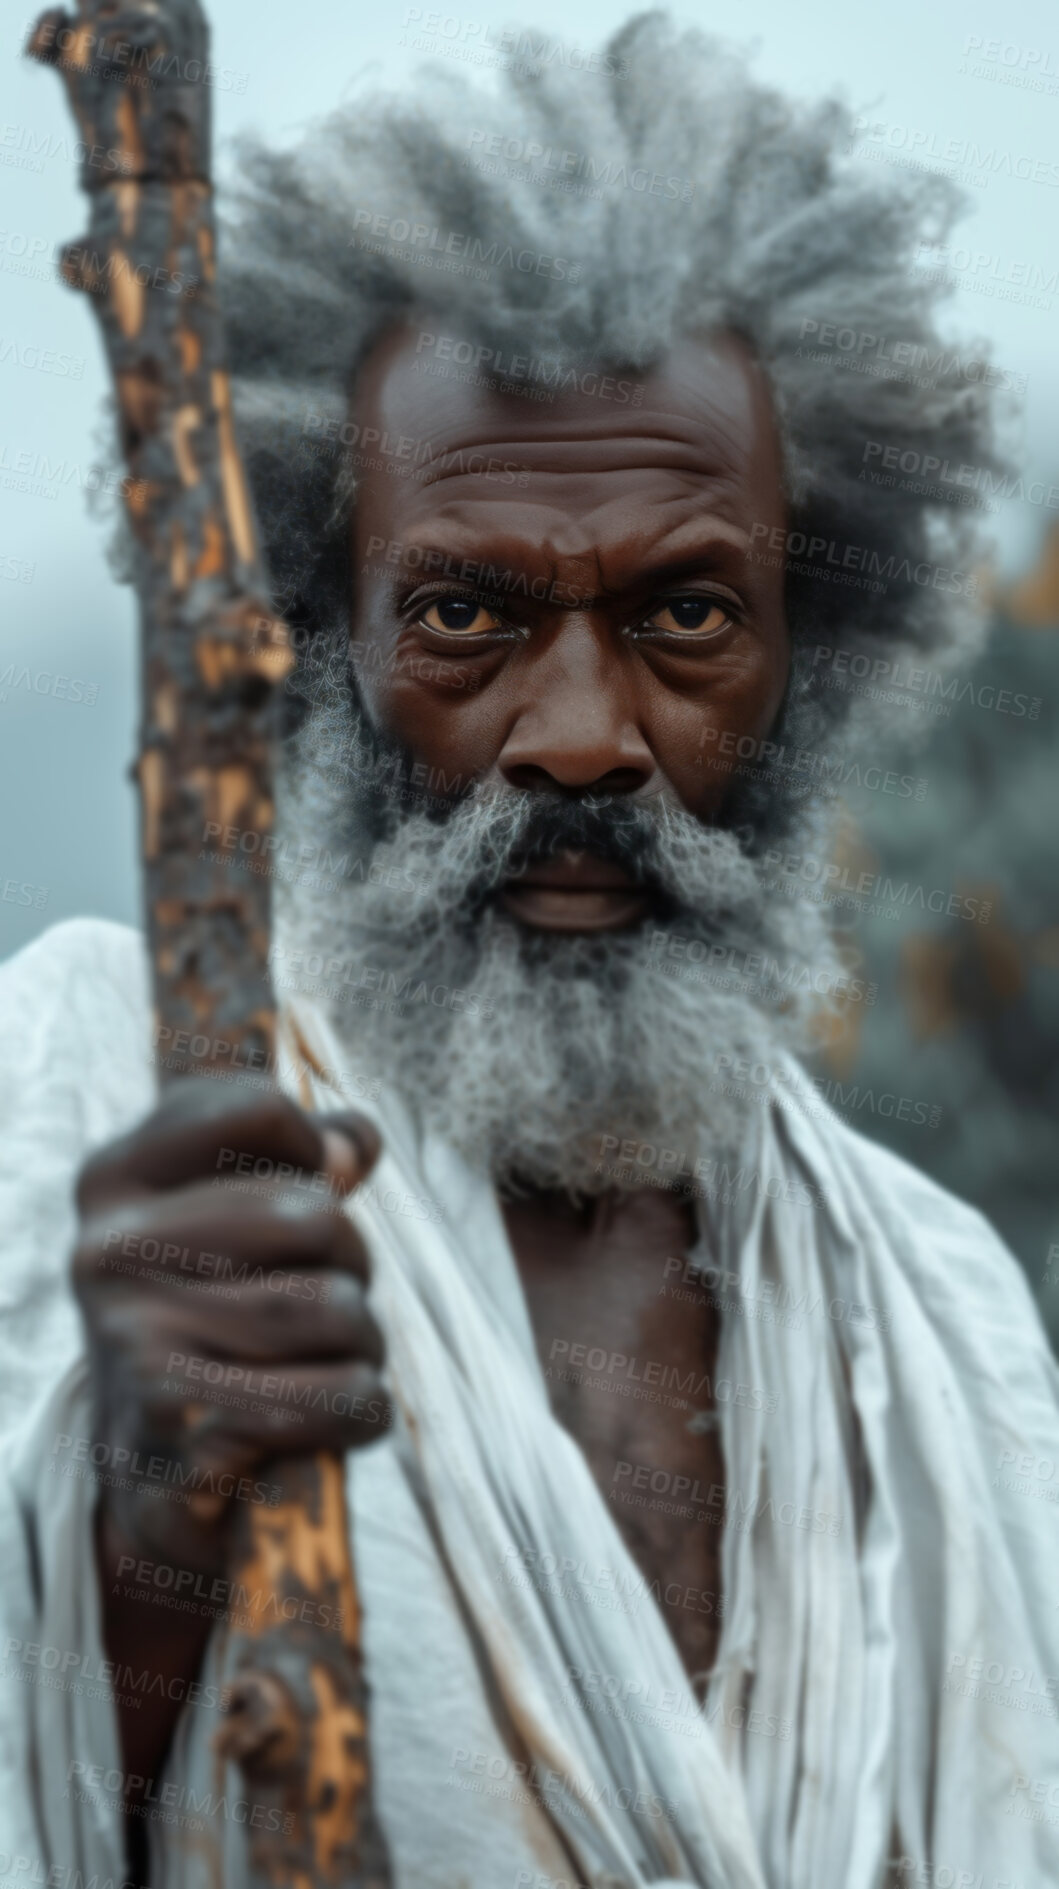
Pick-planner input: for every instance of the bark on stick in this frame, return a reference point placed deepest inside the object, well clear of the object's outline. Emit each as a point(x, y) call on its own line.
point(137, 78)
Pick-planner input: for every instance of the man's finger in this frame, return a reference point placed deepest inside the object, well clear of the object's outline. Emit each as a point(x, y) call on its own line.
point(351, 1148)
point(204, 1236)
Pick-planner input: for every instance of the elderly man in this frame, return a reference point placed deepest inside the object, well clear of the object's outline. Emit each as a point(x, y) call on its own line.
point(689, 1537)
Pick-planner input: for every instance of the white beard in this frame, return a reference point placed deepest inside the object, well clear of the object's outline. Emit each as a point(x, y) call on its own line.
point(533, 1054)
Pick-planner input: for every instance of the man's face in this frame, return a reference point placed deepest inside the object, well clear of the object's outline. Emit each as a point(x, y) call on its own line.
point(561, 595)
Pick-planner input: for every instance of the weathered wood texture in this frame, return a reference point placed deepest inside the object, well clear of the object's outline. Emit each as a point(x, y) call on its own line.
point(213, 652)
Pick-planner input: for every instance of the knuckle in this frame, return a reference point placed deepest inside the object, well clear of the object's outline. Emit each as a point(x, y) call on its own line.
point(361, 1131)
point(193, 1098)
point(341, 1296)
point(349, 1249)
point(273, 1316)
point(278, 1120)
point(86, 1265)
point(319, 1228)
point(275, 1423)
point(372, 1344)
point(97, 1172)
point(370, 1407)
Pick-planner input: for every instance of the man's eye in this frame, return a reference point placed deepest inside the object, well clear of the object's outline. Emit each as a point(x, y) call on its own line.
point(698, 616)
point(459, 613)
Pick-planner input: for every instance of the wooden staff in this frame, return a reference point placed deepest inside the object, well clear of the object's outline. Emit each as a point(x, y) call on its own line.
point(138, 80)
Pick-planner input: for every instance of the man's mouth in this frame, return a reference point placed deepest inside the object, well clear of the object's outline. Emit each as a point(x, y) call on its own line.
point(574, 890)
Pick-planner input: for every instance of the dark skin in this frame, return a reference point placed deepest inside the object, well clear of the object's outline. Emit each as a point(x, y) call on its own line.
point(623, 627)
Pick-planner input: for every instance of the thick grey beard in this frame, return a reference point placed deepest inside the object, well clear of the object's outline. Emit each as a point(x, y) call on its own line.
point(540, 1057)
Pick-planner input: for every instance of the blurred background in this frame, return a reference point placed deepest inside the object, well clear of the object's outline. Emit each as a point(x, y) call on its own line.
point(956, 1062)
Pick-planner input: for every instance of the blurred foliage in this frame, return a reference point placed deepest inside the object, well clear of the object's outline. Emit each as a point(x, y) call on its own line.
point(967, 1015)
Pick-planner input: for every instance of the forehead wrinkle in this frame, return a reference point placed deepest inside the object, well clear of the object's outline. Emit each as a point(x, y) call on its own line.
point(709, 383)
point(578, 461)
point(642, 557)
point(708, 434)
point(468, 521)
point(568, 554)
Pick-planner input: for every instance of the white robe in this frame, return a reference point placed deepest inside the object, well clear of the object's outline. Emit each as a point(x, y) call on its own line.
point(885, 1708)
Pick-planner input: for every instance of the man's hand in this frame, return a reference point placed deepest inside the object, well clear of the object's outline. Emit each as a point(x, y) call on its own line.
point(214, 1255)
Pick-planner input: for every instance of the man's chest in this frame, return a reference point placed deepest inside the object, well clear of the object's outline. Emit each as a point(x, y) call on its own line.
point(631, 1377)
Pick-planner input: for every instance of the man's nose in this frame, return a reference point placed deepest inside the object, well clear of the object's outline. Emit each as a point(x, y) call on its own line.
point(577, 728)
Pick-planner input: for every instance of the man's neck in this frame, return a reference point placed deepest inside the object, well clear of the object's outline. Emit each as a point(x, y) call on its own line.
point(628, 1369)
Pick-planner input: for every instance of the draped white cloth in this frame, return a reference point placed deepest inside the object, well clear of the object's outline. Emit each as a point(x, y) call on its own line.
point(885, 1708)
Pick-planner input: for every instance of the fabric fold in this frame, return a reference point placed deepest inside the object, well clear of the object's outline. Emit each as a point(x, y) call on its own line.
point(884, 1704)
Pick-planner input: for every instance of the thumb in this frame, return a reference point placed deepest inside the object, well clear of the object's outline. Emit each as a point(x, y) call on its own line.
point(351, 1145)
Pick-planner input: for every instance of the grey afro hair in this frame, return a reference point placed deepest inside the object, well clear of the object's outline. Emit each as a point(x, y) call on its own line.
point(772, 227)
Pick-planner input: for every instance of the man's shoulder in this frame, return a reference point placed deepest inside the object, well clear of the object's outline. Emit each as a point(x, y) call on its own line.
point(84, 949)
point(906, 1192)
point(965, 1278)
point(75, 1046)
point(75, 1021)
